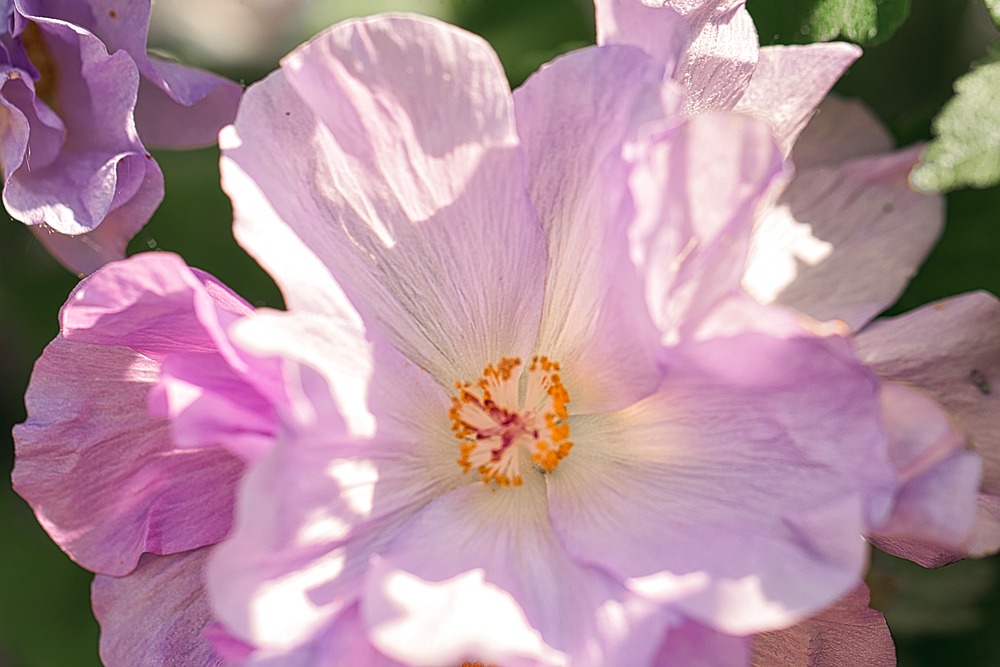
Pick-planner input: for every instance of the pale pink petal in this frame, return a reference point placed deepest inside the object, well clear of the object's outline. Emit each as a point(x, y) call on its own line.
point(696, 187)
point(722, 54)
point(400, 170)
point(156, 305)
point(103, 477)
point(657, 30)
point(573, 116)
point(937, 500)
point(692, 644)
point(479, 575)
point(851, 236)
point(790, 82)
point(157, 614)
point(838, 131)
point(320, 503)
point(847, 634)
point(740, 490)
point(951, 350)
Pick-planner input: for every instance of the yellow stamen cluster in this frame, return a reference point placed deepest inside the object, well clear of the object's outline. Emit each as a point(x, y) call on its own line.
point(493, 424)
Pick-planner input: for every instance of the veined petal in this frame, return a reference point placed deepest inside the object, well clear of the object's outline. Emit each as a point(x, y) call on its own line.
point(401, 171)
point(157, 614)
point(574, 116)
point(870, 231)
point(951, 350)
point(103, 477)
point(740, 490)
point(721, 56)
point(790, 82)
point(696, 187)
point(846, 634)
point(504, 590)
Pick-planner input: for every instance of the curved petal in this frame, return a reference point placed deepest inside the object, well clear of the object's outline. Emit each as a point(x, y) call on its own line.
point(314, 509)
point(104, 478)
point(790, 82)
point(503, 589)
point(847, 634)
point(573, 116)
point(178, 106)
point(951, 350)
point(696, 187)
point(658, 30)
point(399, 168)
point(157, 614)
point(739, 491)
point(183, 107)
point(937, 500)
point(849, 237)
point(87, 252)
point(838, 131)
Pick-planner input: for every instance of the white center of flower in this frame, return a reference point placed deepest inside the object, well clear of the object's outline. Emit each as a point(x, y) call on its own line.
point(495, 427)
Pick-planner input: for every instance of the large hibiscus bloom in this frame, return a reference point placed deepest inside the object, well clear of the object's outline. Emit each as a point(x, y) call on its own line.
point(638, 464)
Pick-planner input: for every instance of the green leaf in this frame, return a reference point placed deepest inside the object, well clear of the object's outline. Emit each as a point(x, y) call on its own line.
point(966, 148)
point(803, 21)
point(994, 7)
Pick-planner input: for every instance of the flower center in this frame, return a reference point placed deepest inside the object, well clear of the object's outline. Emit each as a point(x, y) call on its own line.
point(495, 426)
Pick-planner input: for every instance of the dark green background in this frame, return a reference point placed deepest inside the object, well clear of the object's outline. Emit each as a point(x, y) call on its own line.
point(943, 617)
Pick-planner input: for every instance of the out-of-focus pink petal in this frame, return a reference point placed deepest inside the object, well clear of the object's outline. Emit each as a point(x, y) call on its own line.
point(847, 634)
point(102, 476)
point(695, 188)
point(951, 350)
point(838, 131)
point(85, 253)
point(789, 83)
point(937, 500)
point(739, 491)
point(573, 116)
point(503, 590)
point(179, 113)
point(692, 644)
point(722, 54)
point(178, 106)
point(843, 240)
point(657, 30)
point(156, 615)
point(31, 129)
point(313, 511)
point(400, 170)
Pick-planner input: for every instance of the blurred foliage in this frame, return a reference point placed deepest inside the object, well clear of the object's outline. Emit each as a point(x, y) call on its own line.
point(943, 617)
point(966, 148)
point(865, 22)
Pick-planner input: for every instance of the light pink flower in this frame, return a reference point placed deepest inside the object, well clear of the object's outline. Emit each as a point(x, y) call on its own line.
point(424, 225)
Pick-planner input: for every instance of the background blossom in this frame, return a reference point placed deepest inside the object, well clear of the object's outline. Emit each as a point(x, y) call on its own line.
point(81, 98)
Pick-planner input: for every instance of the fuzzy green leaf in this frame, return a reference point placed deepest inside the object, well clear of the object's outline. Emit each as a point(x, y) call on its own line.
point(966, 147)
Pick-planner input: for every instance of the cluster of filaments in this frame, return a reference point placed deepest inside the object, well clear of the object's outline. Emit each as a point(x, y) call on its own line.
point(495, 427)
